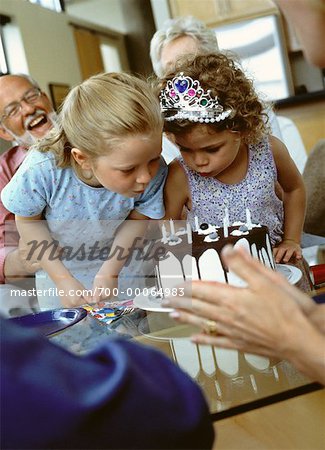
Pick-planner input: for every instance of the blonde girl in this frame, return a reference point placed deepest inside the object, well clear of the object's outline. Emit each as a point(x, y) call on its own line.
point(228, 159)
point(99, 168)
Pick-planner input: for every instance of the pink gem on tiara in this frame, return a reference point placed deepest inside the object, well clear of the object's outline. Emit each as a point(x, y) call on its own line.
point(183, 98)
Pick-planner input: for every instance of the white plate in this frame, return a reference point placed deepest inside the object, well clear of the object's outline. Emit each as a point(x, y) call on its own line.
point(292, 273)
point(143, 302)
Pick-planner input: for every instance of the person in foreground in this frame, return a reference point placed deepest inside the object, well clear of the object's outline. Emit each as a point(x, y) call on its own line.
point(121, 395)
point(269, 317)
point(308, 19)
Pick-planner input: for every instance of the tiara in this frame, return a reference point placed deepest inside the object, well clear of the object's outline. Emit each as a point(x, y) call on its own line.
point(184, 98)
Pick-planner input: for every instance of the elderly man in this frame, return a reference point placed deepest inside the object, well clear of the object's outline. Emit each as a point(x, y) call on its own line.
point(26, 115)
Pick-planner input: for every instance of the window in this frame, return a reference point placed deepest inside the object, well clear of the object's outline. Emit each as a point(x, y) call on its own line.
point(3, 58)
point(258, 44)
point(55, 5)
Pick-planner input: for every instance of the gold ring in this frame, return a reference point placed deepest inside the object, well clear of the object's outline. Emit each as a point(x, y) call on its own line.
point(210, 327)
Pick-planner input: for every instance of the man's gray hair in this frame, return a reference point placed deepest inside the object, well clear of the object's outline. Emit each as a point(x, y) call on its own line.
point(175, 28)
point(27, 77)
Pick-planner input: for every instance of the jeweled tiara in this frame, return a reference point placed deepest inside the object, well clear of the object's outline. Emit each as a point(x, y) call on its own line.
point(184, 98)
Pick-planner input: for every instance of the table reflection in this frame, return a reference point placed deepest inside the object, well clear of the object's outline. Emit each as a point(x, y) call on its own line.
point(229, 378)
point(232, 381)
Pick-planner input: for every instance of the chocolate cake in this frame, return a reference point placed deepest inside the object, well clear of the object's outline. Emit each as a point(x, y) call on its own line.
point(195, 255)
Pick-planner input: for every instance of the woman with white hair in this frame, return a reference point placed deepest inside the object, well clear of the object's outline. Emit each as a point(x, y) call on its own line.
point(182, 36)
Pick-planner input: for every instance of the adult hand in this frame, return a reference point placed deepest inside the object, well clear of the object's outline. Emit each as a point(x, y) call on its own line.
point(266, 317)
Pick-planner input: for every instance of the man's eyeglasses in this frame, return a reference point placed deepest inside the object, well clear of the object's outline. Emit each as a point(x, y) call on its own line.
point(14, 108)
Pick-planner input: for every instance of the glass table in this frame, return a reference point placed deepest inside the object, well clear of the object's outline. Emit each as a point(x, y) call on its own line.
point(233, 382)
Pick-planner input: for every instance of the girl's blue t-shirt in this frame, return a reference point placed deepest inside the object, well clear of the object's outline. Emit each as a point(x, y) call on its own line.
point(40, 186)
point(82, 220)
point(78, 216)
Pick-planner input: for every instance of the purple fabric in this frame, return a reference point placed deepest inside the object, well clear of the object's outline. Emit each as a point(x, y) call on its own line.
point(121, 396)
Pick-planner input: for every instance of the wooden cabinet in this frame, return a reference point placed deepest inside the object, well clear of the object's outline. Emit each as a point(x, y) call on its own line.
point(217, 12)
point(308, 116)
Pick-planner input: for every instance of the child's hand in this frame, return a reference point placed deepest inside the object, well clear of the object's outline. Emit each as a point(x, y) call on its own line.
point(105, 286)
point(73, 292)
point(287, 249)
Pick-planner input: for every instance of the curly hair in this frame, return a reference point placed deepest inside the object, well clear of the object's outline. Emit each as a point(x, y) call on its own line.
point(99, 114)
point(223, 76)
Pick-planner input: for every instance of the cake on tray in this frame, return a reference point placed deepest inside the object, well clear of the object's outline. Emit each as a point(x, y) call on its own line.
point(196, 255)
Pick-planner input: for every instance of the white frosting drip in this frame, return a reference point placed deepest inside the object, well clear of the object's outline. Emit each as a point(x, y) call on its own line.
point(190, 268)
point(254, 251)
point(209, 264)
point(209, 230)
point(181, 232)
point(238, 224)
point(270, 251)
point(170, 272)
point(208, 239)
point(169, 242)
point(172, 243)
point(239, 233)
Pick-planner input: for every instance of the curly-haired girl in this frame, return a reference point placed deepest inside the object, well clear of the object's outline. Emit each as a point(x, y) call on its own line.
point(228, 159)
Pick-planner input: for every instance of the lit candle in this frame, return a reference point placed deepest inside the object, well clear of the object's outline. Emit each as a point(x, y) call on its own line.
point(196, 222)
point(226, 223)
point(172, 228)
point(189, 233)
point(164, 232)
point(227, 217)
point(248, 219)
point(225, 227)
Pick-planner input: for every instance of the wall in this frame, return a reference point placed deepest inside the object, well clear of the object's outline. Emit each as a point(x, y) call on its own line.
point(161, 12)
point(141, 27)
point(106, 13)
point(133, 18)
point(47, 41)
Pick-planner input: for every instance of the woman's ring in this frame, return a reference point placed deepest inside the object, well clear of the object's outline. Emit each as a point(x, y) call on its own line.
point(210, 327)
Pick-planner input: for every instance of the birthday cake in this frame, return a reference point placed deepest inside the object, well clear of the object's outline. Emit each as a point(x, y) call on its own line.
point(196, 255)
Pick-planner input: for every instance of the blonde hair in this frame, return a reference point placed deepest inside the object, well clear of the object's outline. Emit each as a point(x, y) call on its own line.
point(99, 113)
point(222, 75)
